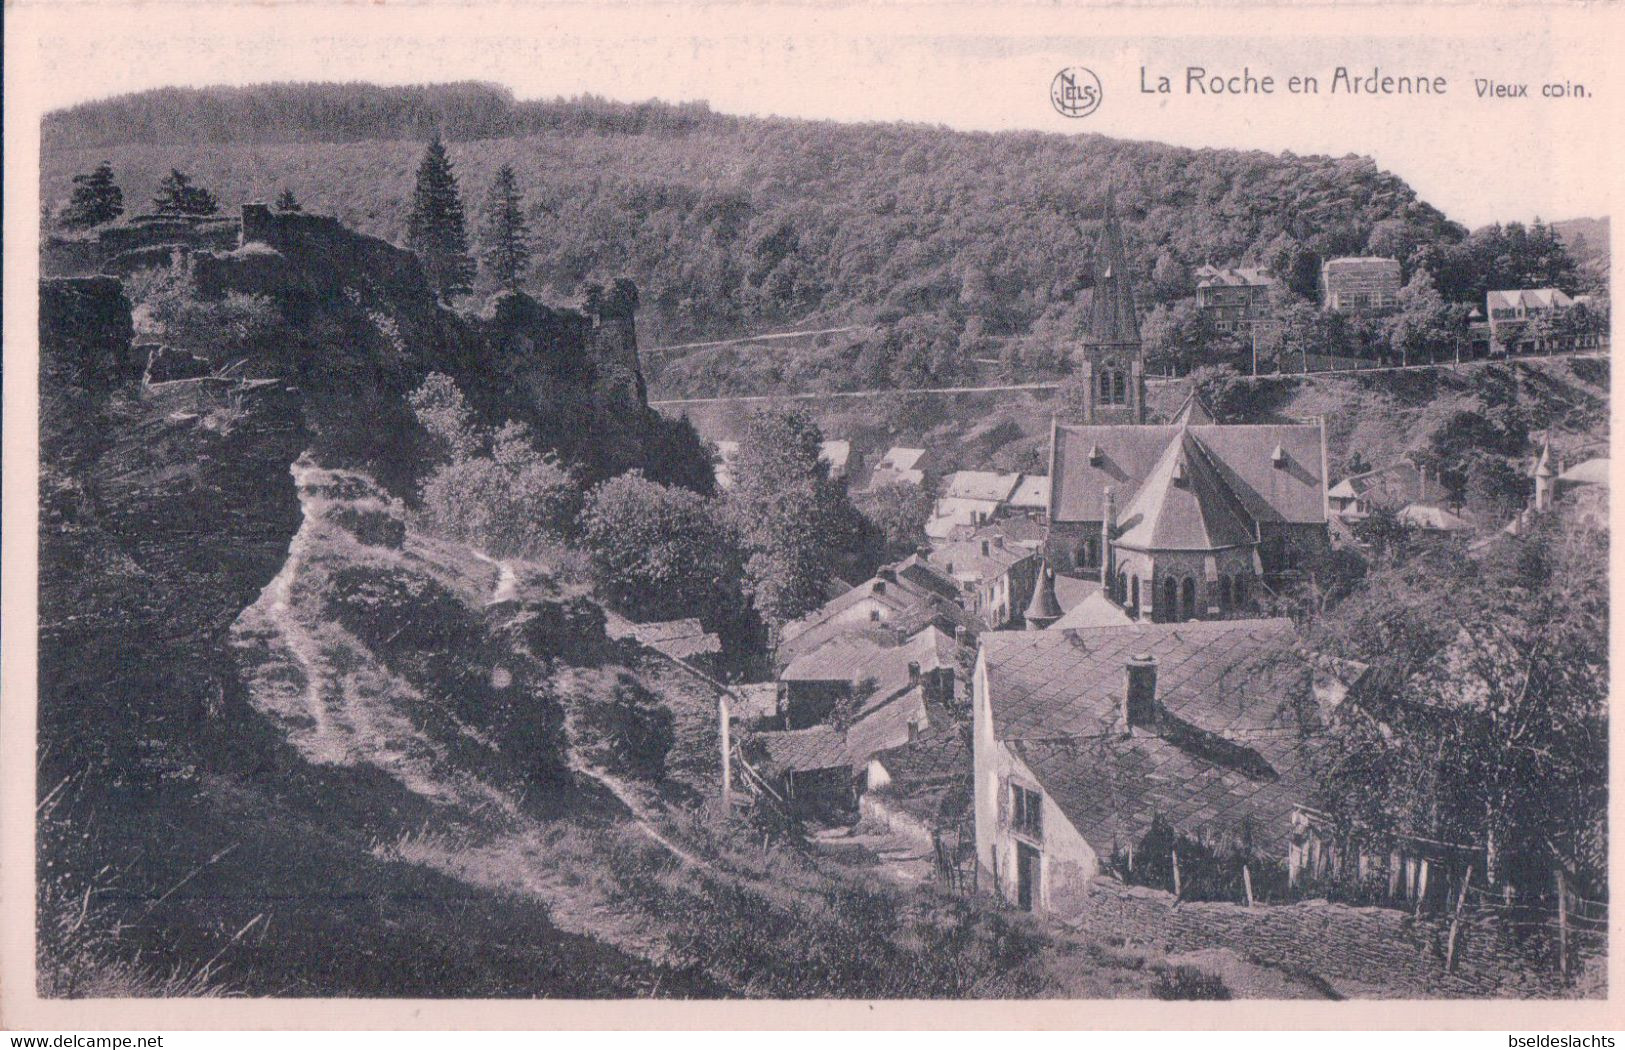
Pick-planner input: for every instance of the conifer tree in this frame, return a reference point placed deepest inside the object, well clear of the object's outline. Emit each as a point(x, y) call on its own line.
point(96, 199)
point(435, 228)
point(286, 201)
point(177, 196)
point(504, 233)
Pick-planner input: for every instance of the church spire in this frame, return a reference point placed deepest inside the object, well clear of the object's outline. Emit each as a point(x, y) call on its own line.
point(1112, 319)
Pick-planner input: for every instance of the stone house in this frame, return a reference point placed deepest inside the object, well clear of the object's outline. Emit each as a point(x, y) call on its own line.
point(996, 575)
point(898, 600)
point(1233, 298)
point(1082, 737)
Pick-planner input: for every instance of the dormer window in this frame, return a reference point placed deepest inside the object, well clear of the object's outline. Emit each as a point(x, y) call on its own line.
point(1096, 457)
point(1179, 471)
point(1278, 457)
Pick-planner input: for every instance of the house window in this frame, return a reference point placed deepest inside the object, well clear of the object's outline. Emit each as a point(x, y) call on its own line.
point(874, 615)
point(1026, 812)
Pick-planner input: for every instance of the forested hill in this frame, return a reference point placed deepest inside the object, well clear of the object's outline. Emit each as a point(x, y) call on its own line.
point(733, 224)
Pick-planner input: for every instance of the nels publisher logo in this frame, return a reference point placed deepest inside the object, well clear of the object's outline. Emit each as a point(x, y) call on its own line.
point(1075, 92)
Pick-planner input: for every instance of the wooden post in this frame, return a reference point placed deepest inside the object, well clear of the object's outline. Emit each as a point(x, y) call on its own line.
point(1562, 926)
point(1421, 885)
point(1247, 881)
point(1176, 872)
point(1455, 922)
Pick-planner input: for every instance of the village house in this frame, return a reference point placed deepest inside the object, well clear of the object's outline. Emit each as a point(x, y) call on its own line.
point(970, 499)
point(1233, 298)
point(841, 704)
point(1386, 488)
point(1083, 737)
point(899, 466)
point(1510, 312)
point(1360, 285)
point(899, 599)
point(996, 576)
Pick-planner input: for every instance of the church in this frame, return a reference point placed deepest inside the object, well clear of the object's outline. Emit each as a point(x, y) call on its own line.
point(1184, 520)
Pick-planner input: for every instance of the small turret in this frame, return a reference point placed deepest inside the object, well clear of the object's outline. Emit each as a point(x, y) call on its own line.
point(1043, 610)
point(1545, 478)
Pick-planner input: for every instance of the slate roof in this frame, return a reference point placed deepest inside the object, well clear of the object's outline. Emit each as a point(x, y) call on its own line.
point(1096, 610)
point(1031, 493)
point(677, 638)
point(1396, 483)
point(857, 656)
point(1591, 472)
point(1112, 318)
point(1426, 516)
point(803, 750)
point(1232, 276)
point(1194, 409)
point(965, 560)
point(931, 775)
point(1528, 299)
point(1237, 719)
point(1183, 504)
point(916, 595)
point(980, 485)
point(1241, 458)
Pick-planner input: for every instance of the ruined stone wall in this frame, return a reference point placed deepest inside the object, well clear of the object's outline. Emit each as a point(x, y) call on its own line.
point(1357, 951)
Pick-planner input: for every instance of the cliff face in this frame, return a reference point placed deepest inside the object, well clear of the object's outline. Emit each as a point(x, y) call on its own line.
point(252, 671)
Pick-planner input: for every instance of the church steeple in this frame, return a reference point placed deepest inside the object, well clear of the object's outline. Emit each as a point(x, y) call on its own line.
point(1112, 364)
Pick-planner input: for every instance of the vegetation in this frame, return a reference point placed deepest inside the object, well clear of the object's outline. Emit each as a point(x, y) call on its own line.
point(494, 490)
point(287, 202)
point(794, 520)
point(435, 227)
point(504, 232)
point(96, 199)
point(177, 196)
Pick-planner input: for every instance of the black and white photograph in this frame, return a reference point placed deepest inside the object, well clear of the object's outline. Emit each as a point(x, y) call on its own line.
point(606, 503)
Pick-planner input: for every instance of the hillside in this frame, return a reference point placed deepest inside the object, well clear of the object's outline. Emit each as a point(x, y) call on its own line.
point(733, 224)
point(1382, 416)
point(1589, 241)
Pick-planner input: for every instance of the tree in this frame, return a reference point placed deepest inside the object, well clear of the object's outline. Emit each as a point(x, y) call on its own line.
point(661, 553)
point(1482, 717)
point(177, 196)
point(435, 227)
point(504, 234)
point(795, 522)
point(1424, 325)
point(899, 511)
point(286, 201)
point(96, 199)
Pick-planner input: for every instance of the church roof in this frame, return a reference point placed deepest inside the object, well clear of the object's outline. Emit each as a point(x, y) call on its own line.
point(1291, 491)
point(1184, 505)
point(1112, 319)
point(1194, 409)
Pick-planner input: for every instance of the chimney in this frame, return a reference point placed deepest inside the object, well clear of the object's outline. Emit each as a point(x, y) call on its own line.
point(888, 574)
point(880, 587)
point(913, 673)
point(1139, 692)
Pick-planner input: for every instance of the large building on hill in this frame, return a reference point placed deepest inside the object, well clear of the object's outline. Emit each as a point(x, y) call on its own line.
point(1233, 297)
point(1366, 284)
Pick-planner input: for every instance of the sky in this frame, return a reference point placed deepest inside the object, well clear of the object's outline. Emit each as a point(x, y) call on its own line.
point(966, 66)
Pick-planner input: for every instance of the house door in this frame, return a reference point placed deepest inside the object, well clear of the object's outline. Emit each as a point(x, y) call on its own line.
point(1027, 868)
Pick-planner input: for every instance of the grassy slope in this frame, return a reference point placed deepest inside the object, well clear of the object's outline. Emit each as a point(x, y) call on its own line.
point(1381, 416)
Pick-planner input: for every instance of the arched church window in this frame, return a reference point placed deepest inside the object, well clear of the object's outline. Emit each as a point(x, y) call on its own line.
point(1134, 595)
point(1187, 607)
point(1122, 588)
point(1170, 599)
point(1224, 593)
point(1119, 389)
point(1106, 386)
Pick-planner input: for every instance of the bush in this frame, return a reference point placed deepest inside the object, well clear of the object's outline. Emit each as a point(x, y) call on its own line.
point(621, 727)
point(1187, 982)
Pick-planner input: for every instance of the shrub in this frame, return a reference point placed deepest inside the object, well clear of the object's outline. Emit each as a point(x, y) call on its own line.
point(1187, 982)
point(621, 727)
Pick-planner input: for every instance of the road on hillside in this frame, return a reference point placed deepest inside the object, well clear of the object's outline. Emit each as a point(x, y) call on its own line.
point(834, 394)
point(752, 339)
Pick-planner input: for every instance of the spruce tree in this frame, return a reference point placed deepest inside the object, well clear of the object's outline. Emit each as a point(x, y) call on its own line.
point(286, 201)
point(177, 196)
point(504, 234)
point(96, 199)
point(435, 229)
